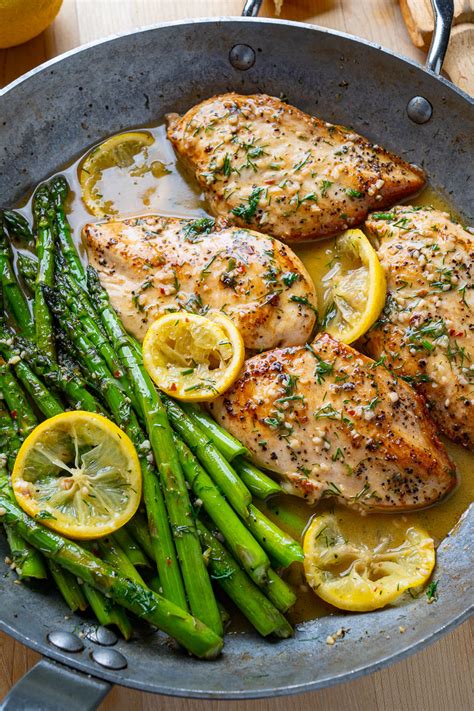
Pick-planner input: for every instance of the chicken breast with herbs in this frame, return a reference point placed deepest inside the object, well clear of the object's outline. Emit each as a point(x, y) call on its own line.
point(267, 165)
point(331, 422)
point(154, 265)
point(426, 331)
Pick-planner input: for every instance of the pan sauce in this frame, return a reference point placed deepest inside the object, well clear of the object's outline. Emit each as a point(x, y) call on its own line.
point(176, 194)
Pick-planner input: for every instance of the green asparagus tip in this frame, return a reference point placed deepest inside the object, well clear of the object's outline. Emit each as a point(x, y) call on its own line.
point(59, 187)
point(17, 225)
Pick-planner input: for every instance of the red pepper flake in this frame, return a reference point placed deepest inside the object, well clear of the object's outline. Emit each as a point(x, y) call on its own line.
point(14, 414)
point(173, 387)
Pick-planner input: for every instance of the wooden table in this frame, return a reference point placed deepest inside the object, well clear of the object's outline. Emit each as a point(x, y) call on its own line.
point(437, 679)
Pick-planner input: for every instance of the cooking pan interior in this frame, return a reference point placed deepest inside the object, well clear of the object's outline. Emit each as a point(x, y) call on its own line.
point(55, 113)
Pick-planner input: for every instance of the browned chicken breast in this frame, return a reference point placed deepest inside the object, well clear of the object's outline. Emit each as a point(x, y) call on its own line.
point(332, 422)
point(154, 265)
point(267, 165)
point(426, 331)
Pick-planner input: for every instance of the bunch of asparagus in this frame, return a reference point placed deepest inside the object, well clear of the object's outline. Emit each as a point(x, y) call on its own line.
point(198, 528)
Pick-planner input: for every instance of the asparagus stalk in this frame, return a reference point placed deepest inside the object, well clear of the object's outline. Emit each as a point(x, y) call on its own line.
point(45, 276)
point(257, 482)
point(196, 579)
point(68, 587)
point(283, 549)
point(17, 402)
point(242, 544)
point(226, 443)
point(44, 399)
point(27, 266)
point(14, 296)
point(58, 377)
point(106, 612)
point(18, 226)
point(187, 630)
point(27, 561)
point(212, 460)
point(118, 559)
point(160, 532)
point(245, 594)
point(138, 528)
point(59, 190)
point(132, 550)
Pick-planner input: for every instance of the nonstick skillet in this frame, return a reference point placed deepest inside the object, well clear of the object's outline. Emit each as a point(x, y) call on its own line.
point(50, 116)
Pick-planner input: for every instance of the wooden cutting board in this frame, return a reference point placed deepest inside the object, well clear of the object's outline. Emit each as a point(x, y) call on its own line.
point(459, 62)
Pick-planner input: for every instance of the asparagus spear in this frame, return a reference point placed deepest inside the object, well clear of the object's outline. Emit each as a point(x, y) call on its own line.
point(281, 547)
point(14, 296)
point(106, 612)
point(17, 402)
point(210, 457)
point(45, 277)
point(59, 190)
point(68, 587)
point(196, 579)
point(118, 559)
point(187, 630)
point(226, 443)
point(18, 226)
point(58, 377)
point(242, 544)
point(27, 266)
point(44, 399)
point(259, 484)
point(138, 528)
point(132, 550)
point(117, 401)
point(245, 594)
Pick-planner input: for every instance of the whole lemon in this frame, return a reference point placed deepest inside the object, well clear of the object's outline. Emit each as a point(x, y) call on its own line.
point(21, 20)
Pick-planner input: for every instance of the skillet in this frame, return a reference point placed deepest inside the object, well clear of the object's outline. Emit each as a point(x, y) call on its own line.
point(49, 117)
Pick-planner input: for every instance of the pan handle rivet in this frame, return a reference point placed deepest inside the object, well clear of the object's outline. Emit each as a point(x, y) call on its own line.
point(242, 57)
point(109, 658)
point(419, 109)
point(66, 641)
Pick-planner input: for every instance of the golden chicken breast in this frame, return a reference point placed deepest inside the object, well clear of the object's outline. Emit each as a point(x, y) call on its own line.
point(154, 265)
point(266, 165)
point(426, 331)
point(331, 422)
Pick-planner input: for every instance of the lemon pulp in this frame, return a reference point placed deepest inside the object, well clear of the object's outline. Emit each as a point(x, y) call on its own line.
point(193, 357)
point(79, 474)
point(353, 575)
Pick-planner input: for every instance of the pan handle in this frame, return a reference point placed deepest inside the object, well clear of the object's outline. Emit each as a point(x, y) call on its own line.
point(54, 687)
point(443, 11)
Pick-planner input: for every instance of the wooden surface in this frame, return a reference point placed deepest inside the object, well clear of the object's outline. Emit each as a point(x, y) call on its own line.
point(437, 679)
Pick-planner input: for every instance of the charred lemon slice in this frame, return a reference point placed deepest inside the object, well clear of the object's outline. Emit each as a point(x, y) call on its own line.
point(193, 357)
point(354, 288)
point(115, 166)
point(79, 474)
point(353, 576)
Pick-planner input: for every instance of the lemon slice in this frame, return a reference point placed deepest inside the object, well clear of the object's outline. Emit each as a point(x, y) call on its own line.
point(79, 474)
point(354, 288)
point(357, 577)
point(126, 153)
point(193, 357)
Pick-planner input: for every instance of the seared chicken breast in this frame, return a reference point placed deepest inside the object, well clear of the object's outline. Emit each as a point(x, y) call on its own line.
point(154, 265)
point(331, 422)
point(426, 331)
point(266, 165)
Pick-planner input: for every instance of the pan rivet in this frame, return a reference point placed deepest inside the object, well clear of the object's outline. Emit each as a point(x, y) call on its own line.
point(102, 636)
point(242, 57)
point(419, 109)
point(66, 641)
point(109, 658)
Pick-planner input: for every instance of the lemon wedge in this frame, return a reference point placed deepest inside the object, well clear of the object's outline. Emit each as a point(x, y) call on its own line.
point(127, 155)
point(354, 288)
point(357, 577)
point(78, 474)
point(193, 357)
